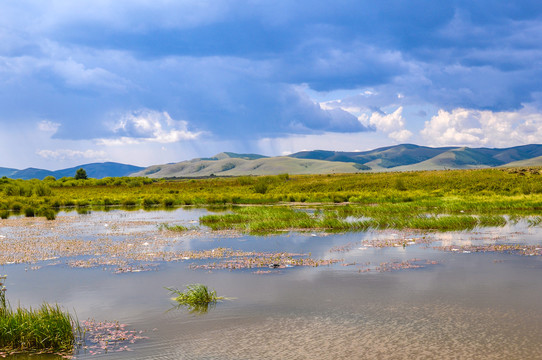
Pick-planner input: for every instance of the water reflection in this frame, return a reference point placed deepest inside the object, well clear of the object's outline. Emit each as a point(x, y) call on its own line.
point(469, 305)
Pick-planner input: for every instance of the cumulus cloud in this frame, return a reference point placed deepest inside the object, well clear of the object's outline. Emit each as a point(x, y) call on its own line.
point(148, 126)
point(483, 127)
point(393, 124)
point(233, 69)
point(68, 154)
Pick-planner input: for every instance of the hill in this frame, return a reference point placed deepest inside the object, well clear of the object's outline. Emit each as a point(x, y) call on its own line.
point(93, 170)
point(6, 171)
point(404, 157)
point(536, 161)
point(236, 166)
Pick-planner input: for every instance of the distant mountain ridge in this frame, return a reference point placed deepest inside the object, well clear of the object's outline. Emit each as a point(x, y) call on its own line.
point(93, 170)
point(404, 157)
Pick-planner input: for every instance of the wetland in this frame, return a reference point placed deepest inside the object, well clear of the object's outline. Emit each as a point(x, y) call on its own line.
point(443, 272)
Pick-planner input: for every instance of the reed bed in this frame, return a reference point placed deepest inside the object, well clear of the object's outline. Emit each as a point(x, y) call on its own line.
point(45, 329)
point(274, 219)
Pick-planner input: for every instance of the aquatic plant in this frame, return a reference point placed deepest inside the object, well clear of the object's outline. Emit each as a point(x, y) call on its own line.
point(47, 328)
point(179, 228)
point(196, 297)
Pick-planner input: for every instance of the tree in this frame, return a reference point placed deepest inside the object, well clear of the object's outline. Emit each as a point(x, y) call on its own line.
point(81, 174)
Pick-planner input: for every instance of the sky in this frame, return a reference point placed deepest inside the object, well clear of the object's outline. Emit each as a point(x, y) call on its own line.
point(157, 81)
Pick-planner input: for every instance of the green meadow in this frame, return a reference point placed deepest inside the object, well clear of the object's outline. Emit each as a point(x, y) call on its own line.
point(440, 200)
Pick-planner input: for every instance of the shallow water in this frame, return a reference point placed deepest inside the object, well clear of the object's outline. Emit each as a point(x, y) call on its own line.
point(459, 305)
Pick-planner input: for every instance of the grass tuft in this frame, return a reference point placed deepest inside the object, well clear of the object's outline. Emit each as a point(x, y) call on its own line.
point(196, 297)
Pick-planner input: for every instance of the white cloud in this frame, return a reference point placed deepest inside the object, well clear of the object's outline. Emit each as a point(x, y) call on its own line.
point(393, 124)
point(148, 126)
point(48, 126)
point(485, 128)
point(67, 154)
point(401, 135)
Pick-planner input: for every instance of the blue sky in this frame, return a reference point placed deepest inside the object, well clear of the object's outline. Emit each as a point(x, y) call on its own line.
point(150, 82)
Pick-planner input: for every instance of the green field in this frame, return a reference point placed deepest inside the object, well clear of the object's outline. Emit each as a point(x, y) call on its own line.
point(396, 200)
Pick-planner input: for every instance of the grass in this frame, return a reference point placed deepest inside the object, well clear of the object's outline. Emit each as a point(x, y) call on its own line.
point(267, 219)
point(485, 192)
point(179, 228)
point(196, 297)
point(46, 329)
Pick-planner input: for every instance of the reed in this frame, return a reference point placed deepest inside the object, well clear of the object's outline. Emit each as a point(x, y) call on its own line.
point(197, 297)
point(45, 329)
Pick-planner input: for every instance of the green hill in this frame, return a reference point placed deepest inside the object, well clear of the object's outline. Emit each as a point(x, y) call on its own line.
point(238, 167)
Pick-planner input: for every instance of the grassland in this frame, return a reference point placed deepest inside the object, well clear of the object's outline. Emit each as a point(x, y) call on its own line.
point(468, 198)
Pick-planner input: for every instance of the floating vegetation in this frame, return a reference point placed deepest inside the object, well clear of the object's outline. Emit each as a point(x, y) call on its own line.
point(521, 249)
point(395, 265)
point(251, 260)
point(178, 228)
point(105, 336)
point(197, 297)
point(46, 329)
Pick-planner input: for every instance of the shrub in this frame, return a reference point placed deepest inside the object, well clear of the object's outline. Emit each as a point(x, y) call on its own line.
point(260, 187)
point(80, 174)
point(42, 189)
point(29, 212)
point(16, 207)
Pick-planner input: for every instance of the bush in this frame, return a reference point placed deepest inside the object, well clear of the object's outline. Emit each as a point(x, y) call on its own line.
point(49, 214)
point(260, 187)
point(16, 207)
point(80, 174)
point(42, 189)
point(29, 212)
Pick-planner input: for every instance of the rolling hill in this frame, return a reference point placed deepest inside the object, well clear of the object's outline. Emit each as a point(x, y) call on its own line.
point(405, 157)
point(238, 165)
point(93, 170)
point(6, 171)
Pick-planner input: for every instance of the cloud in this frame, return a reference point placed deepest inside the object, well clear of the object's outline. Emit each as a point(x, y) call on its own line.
point(67, 154)
point(242, 70)
point(487, 128)
point(148, 126)
point(393, 124)
point(48, 126)
point(77, 75)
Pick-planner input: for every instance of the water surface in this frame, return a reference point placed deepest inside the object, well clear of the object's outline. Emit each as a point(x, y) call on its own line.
point(457, 305)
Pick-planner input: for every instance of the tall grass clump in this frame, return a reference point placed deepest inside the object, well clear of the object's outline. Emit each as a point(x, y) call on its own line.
point(196, 296)
point(259, 219)
point(29, 212)
point(46, 329)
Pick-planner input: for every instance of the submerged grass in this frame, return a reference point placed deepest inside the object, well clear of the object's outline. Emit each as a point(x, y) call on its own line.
point(196, 297)
point(273, 219)
point(45, 329)
point(178, 228)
